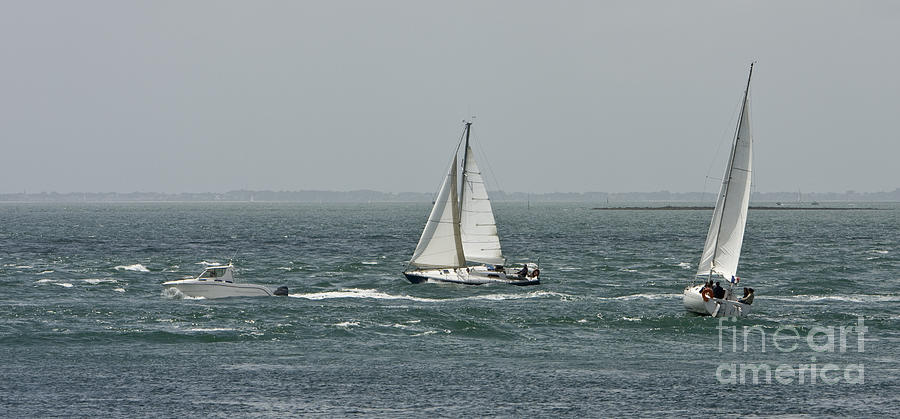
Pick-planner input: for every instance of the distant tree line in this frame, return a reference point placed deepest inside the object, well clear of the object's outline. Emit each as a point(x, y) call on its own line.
point(376, 196)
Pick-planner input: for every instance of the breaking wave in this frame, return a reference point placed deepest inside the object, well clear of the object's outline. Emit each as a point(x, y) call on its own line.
point(137, 267)
point(95, 281)
point(54, 282)
point(205, 263)
point(176, 294)
point(853, 298)
point(645, 296)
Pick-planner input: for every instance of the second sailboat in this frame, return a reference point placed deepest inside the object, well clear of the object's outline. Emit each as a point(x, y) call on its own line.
point(460, 243)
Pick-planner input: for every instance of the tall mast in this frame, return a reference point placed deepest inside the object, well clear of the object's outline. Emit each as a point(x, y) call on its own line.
point(729, 169)
point(462, 190)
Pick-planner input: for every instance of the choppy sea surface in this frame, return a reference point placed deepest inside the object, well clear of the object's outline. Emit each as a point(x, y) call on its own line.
point(86, 330)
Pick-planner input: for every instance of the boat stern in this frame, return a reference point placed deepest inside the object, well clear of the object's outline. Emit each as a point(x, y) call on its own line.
point(715, 307)
point(693, 301)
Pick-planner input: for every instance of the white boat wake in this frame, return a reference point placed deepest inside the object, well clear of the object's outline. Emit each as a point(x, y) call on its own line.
point(378, 295)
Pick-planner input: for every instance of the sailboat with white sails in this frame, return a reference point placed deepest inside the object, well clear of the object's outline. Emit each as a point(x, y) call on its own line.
point(722, 250)
point(460, 243)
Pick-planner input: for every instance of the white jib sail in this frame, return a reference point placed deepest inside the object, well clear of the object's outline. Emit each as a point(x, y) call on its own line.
point(726, 230)
point(481, 244)
point(440, 245)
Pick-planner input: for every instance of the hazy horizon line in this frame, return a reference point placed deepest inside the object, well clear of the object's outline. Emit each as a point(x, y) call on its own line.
point(369, 195)
point(500, 191)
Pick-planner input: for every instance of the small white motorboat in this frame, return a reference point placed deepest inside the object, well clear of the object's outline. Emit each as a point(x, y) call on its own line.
point(218, 282)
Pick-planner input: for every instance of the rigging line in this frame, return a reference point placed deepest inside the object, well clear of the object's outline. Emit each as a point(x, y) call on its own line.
point(238, 247)
point(447, 165)
point(490, 167)
point(753, 187)
point(496, 181)
point(712, 162)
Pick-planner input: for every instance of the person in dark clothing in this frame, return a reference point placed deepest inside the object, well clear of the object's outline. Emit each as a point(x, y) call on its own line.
point(748, 296)
point(524, 272)
point(718, 291)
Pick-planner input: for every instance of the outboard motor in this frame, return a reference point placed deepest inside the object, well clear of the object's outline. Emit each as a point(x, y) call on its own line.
point(282, 291)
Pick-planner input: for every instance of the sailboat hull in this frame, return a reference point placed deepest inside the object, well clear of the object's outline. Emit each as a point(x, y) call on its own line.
point(716, 307)
point(468, 276)
point(415, 278)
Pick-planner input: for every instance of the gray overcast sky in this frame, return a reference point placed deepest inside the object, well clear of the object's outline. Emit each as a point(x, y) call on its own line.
point(179, 96)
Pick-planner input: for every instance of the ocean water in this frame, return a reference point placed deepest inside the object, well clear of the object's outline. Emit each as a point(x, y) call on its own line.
point(85, 329)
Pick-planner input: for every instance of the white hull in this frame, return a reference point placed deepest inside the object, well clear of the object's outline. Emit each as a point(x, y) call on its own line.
point(474, 275)
point(715, 307)
point(218, 289)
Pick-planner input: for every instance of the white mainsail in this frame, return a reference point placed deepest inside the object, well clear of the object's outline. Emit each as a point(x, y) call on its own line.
point(726, 230)
point(440, 245)
point(481, 244)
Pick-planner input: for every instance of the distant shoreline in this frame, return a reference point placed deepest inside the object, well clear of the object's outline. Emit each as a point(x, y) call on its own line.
point(791, 199)
point(765, 208)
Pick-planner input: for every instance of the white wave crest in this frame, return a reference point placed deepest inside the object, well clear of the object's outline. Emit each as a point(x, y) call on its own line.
point(369, 263)
point(95, 281)
point(205, 263)
point(119, 290)
point(54, 282)
point(852, 298)
point(48, 271)
point(176, 294)
point(212, 329)
point(684, 265)
point(346, 324)
point(137, 267)
point(646, 297)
